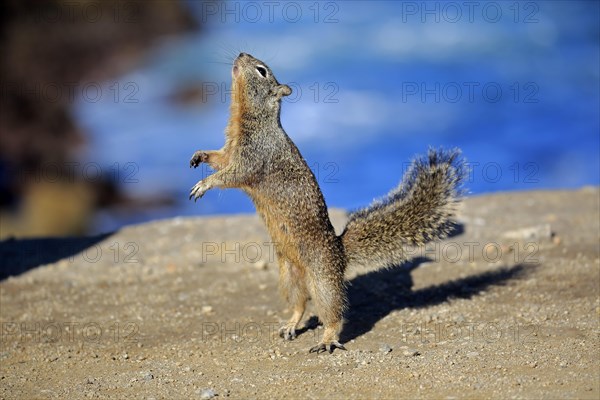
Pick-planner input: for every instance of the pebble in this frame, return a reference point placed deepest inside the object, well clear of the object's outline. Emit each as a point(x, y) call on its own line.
point(148, 377)
point(207, 309)
point(459, 318)
point(207, 394)
point(479, 221)
point(385, 348)
point(411, 352)
point(532, 232)
point(261, 264)
point(472, 354)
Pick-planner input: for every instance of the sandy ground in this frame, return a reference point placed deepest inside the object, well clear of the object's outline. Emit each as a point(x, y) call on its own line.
point(188, 308)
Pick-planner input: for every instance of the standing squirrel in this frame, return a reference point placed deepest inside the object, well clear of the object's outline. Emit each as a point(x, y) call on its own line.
point(260, 158)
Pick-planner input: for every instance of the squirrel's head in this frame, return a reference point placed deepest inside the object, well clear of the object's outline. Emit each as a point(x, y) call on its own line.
point(254, 81)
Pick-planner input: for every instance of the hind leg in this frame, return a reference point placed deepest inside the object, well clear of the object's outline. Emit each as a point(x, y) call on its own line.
point(329, 295)
point(293, 287)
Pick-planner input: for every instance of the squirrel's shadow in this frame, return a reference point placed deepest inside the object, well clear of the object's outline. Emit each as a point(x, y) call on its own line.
point(375, 294)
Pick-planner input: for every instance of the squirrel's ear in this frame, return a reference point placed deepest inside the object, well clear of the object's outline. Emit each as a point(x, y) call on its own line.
point(283, 90)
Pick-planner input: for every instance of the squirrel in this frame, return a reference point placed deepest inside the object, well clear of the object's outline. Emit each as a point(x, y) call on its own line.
point(261, 159)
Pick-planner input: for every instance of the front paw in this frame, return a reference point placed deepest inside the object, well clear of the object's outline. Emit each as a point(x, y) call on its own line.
point(198, 190)
point(198, 158)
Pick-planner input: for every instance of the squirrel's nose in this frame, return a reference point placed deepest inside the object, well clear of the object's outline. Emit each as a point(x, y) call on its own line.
point(243, 55)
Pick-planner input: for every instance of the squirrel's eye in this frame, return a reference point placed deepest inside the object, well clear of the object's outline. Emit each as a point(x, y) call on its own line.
point(262, 70)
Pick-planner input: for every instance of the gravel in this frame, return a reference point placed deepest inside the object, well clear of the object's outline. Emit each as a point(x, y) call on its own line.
point(512, 316)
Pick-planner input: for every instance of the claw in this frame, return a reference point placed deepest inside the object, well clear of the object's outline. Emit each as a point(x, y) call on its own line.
point(197, 158)
point(318, 348)
point(323, 347)
point(198, 191)
point(287, 333)
point(336, 345)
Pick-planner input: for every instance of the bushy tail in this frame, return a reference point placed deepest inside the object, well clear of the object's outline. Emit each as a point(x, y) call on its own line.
point(417, 211)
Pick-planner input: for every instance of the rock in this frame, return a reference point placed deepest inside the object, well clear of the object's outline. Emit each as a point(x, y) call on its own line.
point(385, 348)
point(411, 352)
point(459, 318)
point(207, 394)
point(261, 264)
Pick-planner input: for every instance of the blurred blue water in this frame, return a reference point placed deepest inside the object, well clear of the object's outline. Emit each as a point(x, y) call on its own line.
point(514, 85)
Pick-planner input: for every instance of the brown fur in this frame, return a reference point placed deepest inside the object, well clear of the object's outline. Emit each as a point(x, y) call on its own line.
point(261, 159)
